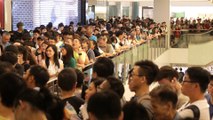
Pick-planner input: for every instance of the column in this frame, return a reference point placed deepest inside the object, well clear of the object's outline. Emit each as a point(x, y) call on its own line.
point(119, 9)
point(36, 13)
point(162, 14)
point(135, 10)
point(8, 15)
point(1, 13)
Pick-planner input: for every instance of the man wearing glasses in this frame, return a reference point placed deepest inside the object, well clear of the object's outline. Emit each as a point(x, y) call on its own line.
point(169, 76)
point(140, 77)
point(194, 86)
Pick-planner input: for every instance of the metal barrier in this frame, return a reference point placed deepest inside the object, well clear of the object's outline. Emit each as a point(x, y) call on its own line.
point(125, 60)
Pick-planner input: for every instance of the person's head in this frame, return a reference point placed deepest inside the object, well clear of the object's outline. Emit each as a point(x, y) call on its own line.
point(52, 53)
point(40, 40)
point(10, 86)
point(36, 76)
point(196, 81)
point(11, 48)
point(114, 84)
point(104, 105)
point(167, 75)
point(22, 54)
point(142, 75)
point(85, 43)
point(135, 111)
point(164, 100)
point(68, 41)
point(120, 34)
point(67, 79)
point(6, 67)
point(89, 31)
point(103, 67)
point(76, 44)
point(5, 37)
point(67, 35)
point(44, 46)
point(20, 25)
point(93, 87)
point(36, 34)
point(9, 57)
point(93, 44)
point(67, 51)
point(30, 102)
point(52, 40)
point(102, 41)
point(113, 40)
point(61, 26)
point(210, 86)
point(39, 104)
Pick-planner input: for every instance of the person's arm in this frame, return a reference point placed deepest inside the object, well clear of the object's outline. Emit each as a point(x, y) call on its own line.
point(72, 63)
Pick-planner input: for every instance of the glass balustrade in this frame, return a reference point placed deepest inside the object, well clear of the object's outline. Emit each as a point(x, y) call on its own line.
point(187, 38)
point(124, 61)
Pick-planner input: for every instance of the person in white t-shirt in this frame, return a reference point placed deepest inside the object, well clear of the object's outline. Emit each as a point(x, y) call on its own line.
point(194, 85)
point(53, 64)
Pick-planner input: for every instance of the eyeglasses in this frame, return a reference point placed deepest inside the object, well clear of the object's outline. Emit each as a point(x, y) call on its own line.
point(131, 74)
point(188, 81)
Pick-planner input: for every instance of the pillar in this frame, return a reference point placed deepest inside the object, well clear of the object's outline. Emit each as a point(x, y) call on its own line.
point(119, 9)
point(135, 10)
point(162, 14)
point(8, 15)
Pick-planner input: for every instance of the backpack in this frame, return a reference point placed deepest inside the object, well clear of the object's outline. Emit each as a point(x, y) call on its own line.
point(195, 110)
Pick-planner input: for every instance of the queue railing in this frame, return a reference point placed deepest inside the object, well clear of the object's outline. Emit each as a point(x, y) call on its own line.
point(187, 38)
point(125, 60)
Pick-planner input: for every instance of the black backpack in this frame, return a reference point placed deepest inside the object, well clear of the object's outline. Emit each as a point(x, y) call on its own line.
point(195, 110)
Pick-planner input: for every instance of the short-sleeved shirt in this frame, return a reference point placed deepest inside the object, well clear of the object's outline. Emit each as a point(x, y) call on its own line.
point(203, 108)
point(91, 54)
point(76, 102)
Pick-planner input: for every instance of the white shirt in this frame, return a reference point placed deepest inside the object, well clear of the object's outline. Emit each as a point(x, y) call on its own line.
point(53, 68)
point(201, 104)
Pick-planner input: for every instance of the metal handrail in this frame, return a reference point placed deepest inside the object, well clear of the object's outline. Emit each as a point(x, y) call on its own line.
point(124, 60)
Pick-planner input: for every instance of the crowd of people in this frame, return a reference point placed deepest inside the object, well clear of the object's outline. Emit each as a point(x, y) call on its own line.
point(28, 62)
point(179, 26)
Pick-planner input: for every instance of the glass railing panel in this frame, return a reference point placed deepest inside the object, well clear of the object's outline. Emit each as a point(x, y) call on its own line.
point(196, 38)
point(124, 61)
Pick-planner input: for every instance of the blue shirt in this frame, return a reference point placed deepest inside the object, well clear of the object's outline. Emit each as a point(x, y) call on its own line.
point(93, 38)
point(208, 98)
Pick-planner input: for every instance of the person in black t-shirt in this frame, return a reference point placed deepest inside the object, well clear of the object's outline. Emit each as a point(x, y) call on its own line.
point(67, 80)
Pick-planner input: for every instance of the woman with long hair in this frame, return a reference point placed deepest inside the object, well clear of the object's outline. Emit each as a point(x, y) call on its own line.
point(67, 56)
point(79, 55)
point(53, 64)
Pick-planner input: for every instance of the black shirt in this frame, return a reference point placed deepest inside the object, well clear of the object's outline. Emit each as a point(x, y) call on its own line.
point(76, 102)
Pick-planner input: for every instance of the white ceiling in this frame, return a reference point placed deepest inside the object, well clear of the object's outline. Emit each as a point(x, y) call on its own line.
point(173, 2)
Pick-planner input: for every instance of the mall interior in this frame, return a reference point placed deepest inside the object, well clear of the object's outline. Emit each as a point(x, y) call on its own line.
point(176, 34)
